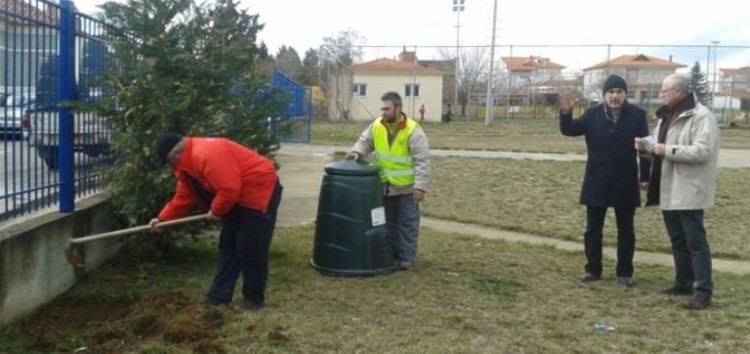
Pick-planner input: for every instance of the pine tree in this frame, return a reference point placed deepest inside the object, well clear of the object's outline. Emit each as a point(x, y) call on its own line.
point(310, 68)
point(699, 84)
point(185, 68)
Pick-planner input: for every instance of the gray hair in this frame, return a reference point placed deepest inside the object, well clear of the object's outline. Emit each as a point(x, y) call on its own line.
point(679, 81)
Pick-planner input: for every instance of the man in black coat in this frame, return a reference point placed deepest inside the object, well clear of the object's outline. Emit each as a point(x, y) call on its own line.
point(611, 178)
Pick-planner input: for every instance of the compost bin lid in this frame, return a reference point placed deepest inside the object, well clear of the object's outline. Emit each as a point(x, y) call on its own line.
point(351, 168)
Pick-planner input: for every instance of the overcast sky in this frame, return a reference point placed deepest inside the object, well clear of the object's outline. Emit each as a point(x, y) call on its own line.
point(423, 23)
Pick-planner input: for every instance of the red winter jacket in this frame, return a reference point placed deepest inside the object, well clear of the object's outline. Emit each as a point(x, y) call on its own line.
point(231, 172)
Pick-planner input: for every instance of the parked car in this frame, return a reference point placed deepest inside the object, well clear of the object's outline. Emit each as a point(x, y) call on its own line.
point(12, 109)
point(91, 133)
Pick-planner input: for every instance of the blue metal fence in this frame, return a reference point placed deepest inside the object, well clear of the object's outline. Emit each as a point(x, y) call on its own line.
point(52, 57)
point(299, 112)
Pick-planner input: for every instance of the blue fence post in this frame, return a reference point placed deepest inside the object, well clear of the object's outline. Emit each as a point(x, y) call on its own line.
point(309, 114)
point(66, 94)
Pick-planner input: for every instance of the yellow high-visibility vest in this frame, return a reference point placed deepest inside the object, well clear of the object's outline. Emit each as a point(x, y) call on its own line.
point(394, 160)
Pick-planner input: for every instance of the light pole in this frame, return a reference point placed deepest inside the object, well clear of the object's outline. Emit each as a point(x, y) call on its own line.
point(489, 111)
point(458, 7)
point(713, 83)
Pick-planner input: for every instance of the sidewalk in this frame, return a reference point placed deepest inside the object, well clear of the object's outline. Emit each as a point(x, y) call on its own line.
point(302, 170)
point(728, 158)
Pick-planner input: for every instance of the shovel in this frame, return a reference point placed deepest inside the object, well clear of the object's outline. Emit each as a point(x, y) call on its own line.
point(74, 254)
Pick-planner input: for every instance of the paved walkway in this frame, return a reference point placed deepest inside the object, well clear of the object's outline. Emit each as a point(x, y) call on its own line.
point(302, 170)
point(728, 158)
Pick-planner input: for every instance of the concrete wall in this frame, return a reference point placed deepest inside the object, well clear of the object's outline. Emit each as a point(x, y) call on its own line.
point(339, 94)
point(33, 267)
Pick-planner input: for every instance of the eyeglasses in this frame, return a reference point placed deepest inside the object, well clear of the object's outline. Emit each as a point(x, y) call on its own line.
point(385, 109)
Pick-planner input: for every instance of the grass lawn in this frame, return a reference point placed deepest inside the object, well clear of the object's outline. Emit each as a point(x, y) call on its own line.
point(466, 295)
point(527, 135)
point(541, 198)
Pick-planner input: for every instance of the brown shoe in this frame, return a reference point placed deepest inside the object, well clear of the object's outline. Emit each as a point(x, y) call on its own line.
point(677, 291)
point(699, 302)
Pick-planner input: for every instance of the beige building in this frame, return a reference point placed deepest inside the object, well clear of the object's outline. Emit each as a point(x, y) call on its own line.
point(643, 74)
point(361, 86)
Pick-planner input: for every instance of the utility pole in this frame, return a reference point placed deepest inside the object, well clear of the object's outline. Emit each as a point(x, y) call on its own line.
point(458, 7)
point(489, 111)
point(713, 83)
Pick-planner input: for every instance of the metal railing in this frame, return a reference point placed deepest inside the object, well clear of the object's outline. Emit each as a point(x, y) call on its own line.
point(299, 112)
point(54, 62)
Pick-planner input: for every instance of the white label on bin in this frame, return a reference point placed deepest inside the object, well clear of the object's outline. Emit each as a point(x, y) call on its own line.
point(378, 216)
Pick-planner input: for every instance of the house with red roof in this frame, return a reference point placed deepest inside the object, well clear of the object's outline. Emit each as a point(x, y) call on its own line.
point(643, 73)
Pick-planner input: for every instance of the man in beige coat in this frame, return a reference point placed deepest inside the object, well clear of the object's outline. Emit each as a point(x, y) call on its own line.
point(685, 150)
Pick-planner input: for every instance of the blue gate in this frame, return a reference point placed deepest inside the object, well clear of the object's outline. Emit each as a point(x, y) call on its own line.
point(299, 113)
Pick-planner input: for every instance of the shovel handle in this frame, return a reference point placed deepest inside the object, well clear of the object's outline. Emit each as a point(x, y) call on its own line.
point(135, 229)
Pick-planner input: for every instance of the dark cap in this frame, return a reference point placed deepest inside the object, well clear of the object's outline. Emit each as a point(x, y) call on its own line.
point(614, 81)
point(165, 144)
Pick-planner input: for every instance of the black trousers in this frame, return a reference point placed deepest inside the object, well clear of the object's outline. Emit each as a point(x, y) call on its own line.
point(625, 239)
point(244, 245)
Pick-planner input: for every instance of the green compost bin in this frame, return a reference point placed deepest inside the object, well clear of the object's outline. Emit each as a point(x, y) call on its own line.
point(350, 230)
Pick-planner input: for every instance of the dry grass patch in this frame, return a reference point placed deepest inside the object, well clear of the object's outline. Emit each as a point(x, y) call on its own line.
point(466, 295)
point(541, 198)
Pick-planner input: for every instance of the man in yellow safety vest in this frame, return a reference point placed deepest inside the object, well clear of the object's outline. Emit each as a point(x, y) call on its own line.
point(403, 155)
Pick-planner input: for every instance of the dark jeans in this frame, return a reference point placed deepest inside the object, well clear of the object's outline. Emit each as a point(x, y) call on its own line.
point(402, 224)
point(692, 256)
point(244, 245)
point(625, 240)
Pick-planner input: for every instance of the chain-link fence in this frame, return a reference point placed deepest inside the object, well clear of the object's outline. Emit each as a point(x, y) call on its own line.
point(450, 83)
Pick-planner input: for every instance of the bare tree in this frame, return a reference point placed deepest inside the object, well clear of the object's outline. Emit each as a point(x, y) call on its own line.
point(342, 49)
point(472, 72)
point(337, 53)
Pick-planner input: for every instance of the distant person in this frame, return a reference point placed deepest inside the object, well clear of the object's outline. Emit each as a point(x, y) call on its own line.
point(448, 114)
point(421, 113)
point(611, 178)
point(403, 154)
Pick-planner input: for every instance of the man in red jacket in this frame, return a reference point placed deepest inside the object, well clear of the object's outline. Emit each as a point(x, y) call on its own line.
point(238, 187)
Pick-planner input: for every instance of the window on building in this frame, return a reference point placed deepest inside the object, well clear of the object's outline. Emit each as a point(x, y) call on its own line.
point(631, 75)
point(360, 90)
point(411, 90)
